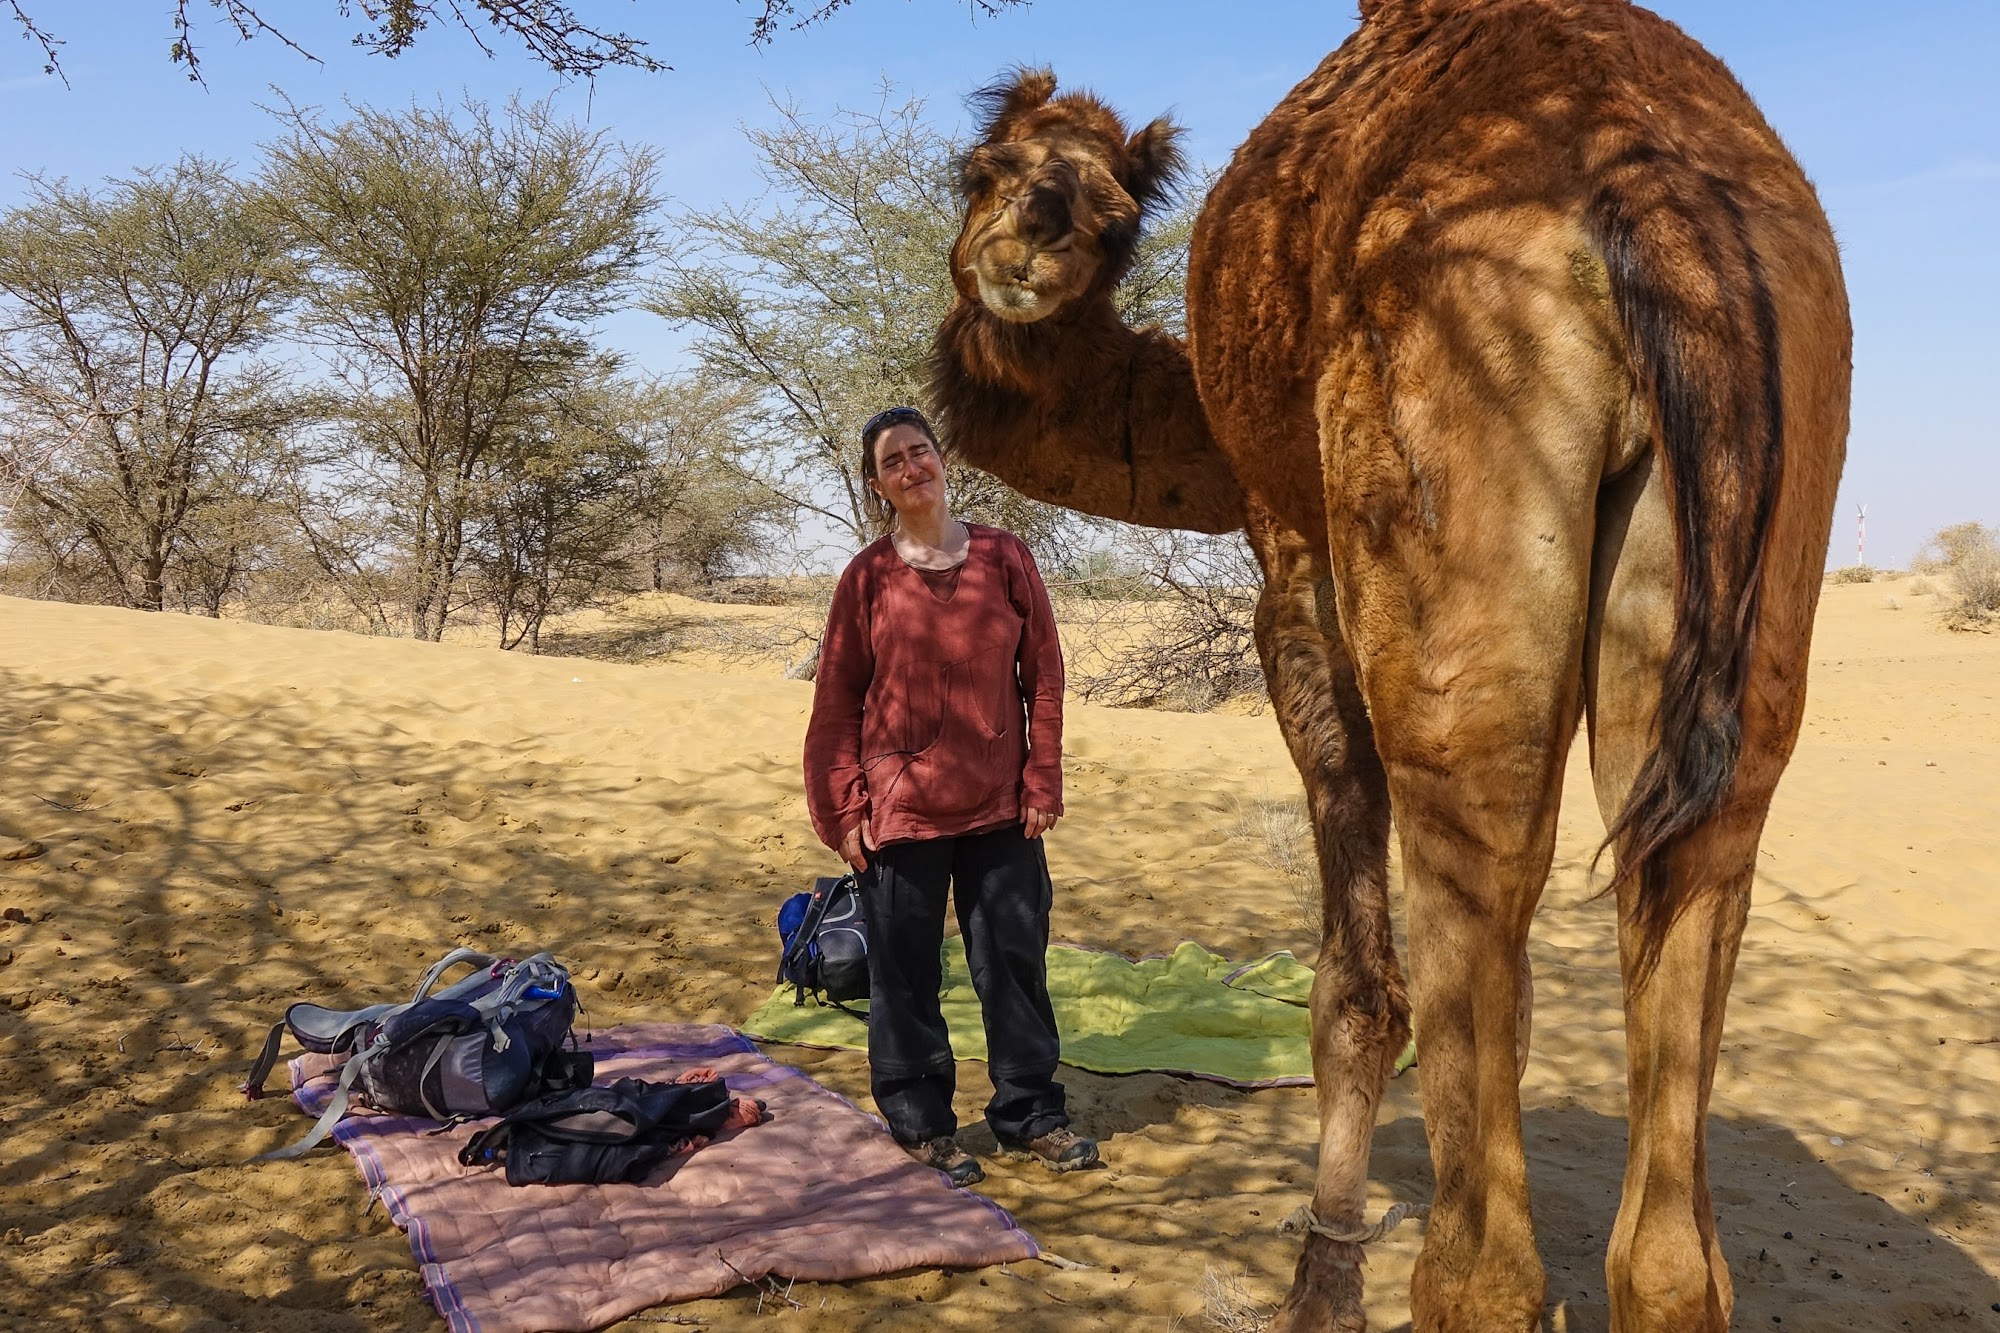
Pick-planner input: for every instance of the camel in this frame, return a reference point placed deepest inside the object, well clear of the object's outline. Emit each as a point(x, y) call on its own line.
point(1518, 347)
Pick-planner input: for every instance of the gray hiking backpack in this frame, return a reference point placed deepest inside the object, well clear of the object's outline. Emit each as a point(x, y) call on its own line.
point(478, 1047)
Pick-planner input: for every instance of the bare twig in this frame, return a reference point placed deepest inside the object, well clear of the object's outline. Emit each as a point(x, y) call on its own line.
point(550, 29)
point(781, 14)
point(241, 15)
point(1019, 1277)
point(34, 32)
point(767, 1286)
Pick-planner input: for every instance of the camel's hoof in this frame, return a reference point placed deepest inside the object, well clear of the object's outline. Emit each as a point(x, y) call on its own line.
point(1326, 1291)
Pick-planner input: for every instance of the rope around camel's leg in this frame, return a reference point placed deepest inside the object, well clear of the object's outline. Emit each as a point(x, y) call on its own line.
point(1302, 1219)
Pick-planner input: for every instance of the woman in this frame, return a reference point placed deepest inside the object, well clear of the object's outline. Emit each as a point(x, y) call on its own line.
point(934, 763)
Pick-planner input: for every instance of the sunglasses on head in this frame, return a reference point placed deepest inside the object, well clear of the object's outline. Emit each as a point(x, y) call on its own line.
point(889, 417)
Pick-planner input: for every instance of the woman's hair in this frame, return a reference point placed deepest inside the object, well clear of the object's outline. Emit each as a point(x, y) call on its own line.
point(879, 509)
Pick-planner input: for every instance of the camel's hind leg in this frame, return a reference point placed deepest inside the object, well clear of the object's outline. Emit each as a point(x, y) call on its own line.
point(1464, 446)
point(1360, 1013)
point(1665, 1269)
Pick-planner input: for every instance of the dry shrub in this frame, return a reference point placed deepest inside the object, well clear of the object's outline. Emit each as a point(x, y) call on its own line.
point(1852, 574)
point(1921, 587)
point(1192, 648)
point(1280, 836)
point(1226, 1304)
point(1968, 556)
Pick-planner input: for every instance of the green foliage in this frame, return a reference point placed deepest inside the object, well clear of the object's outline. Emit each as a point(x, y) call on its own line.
point(820, 299)
point(702, 516)
point(556, 498)
point(1106, 575)
point(140, 433)
point(456, 263)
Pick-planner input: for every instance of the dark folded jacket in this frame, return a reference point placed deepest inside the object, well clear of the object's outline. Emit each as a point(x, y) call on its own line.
point(594, 1136)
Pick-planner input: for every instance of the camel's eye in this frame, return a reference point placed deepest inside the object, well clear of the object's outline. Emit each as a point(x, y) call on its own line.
point(1059, 174)
point(981, 171)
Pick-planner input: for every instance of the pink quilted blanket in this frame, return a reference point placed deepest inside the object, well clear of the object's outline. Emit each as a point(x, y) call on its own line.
point(819, 1191)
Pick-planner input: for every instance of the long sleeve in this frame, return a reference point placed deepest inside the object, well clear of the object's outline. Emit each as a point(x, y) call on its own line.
point(836, 788)
point(1039, 664)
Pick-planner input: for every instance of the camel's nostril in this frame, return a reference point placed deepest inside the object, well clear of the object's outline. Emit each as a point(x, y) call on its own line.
point(1044, 215)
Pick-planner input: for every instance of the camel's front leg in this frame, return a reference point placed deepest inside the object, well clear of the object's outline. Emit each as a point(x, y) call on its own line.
point(1360, 1013)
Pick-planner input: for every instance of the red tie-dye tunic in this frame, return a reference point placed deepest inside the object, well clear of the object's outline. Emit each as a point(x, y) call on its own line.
point(937, 709)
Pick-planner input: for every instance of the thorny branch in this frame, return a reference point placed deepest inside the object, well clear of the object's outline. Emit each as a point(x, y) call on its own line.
point(241, 15)
point(767, 1287)
point(34, 32)
point(780, 14)
point(551, 30)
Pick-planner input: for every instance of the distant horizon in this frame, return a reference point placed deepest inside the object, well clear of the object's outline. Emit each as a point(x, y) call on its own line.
point(1897, 121)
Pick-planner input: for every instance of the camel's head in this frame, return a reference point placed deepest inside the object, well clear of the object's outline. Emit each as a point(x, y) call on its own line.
point(1054, 194)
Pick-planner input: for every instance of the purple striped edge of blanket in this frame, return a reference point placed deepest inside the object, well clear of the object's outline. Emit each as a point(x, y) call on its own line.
point(356, 1135)
point(443, 1291)
point(779, 1073)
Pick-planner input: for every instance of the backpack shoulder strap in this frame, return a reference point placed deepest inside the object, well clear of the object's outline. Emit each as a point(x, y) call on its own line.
point(445, 964)
point(824, 891)
point(335, 1109)
point(317, 1028)
point(267, 1060)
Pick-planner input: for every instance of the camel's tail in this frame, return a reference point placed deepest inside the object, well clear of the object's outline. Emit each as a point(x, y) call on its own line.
point(1701, 330)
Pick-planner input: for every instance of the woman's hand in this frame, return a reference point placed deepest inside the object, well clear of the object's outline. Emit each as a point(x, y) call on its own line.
point(1035, 821)
point(853, 847)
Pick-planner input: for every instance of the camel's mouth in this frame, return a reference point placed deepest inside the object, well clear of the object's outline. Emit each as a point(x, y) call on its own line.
point(1012, 301)
point(1024, 283)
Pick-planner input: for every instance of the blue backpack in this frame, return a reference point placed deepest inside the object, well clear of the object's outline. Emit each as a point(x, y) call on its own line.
point(825, 943)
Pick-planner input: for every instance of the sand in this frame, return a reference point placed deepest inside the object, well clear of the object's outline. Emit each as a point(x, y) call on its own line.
point(203, 821)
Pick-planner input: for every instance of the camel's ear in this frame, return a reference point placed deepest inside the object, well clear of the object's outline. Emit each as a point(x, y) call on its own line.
point(1021, 92)
point(1157, 162)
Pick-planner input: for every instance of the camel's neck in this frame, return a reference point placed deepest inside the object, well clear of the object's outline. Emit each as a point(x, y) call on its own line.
point(1081, 411)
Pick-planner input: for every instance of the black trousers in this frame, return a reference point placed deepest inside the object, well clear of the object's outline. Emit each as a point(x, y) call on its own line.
point(999, 883)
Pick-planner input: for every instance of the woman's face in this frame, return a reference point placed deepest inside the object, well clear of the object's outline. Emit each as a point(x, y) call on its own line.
point(908, 472)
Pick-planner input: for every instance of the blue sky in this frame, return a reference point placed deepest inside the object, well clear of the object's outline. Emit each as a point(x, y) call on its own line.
point(1892, 109)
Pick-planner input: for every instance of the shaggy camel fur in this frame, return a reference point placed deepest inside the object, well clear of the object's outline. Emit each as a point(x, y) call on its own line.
point(1519, 346)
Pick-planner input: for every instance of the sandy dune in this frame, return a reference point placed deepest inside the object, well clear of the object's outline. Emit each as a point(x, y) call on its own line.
point(202, 821)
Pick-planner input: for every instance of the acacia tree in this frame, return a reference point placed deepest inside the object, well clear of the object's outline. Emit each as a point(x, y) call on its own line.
point(701, 512)
point(140, 433)
point(559, 498)
point(456, 264)
point(821, 298)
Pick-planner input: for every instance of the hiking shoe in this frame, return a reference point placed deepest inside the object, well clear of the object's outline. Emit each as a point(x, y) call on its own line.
point(944, 1154)
point(1059, 1150)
